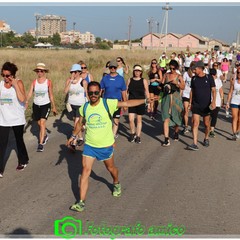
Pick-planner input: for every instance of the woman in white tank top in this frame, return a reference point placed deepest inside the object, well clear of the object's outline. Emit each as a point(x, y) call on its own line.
point(76, 88)
point(12, 114)
point(42, 103)
point(234, 97)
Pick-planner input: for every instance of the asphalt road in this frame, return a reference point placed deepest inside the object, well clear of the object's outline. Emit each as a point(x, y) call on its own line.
point(160, 185)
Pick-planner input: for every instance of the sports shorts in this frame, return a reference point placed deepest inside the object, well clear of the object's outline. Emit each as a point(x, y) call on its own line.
point(101, 154)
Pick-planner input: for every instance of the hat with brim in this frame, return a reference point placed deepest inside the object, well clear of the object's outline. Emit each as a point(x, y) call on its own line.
point(76, 68)
point(41, 66)
point(137, 68)
point(199, 64)
point(113, 63)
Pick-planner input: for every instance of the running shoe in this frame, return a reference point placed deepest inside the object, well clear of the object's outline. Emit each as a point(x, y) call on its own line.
point(72, 146)
point(206, 143)
point(137, 140)
point(212, 134)
point(185, 130)
point(45, 139)
point(80, 142)
point(176, 136)
point(166, 143)
point(193, 147)
point(132, 137)
point(1, 175)
point(21, 167)
point(40, 148)
point(117, 190)
point(235, 137)
point(78, 207)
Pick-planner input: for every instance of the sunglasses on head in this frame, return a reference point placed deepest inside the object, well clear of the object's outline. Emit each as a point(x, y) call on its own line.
point(6, 75)
point(39, 71)
point(96, 93)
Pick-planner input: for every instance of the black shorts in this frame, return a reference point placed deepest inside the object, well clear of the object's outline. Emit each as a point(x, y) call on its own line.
point(203, 112)
point(41, 111)
point(185, 99)
point(75, 111)
point(139, 110)
point(117, 114)
point(154, 90)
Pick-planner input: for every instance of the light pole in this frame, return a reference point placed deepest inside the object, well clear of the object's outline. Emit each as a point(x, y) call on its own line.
point(74, 23)
point(150, 27)
point(166, 8)
point(1, 38)
point(37, 15)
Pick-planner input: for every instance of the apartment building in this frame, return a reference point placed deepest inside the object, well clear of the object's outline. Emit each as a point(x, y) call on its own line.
point(4, 27)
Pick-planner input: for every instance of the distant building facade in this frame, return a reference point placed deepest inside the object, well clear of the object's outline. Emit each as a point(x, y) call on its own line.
point(4, 27)
point(76, 36)
point(51, 24)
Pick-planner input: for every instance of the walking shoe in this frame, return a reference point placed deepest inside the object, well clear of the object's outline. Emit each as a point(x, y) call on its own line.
point(45, 139)
point(78, 207)
point(21, 167)
point(235, 137)
point(176, 136)
point(137, 140)
point(132, 137)
point(40, 148)
point(166, 143)
point(212, 134)
point(185, 130)
point(73, 146)
point(206, 143)
point(80, 142)
point(1, 175)
point(117, 190)
point(193, 147)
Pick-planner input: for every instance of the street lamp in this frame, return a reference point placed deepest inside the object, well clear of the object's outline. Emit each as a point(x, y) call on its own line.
point(166, 8)
point(1, 38)
point(150, 27)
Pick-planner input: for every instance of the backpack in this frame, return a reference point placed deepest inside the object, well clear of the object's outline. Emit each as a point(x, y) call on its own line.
point(105, 105)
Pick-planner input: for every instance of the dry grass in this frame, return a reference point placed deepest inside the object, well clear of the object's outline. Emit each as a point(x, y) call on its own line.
point(59, 63)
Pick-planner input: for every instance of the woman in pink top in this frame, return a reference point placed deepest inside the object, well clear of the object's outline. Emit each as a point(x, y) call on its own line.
point(225, 68)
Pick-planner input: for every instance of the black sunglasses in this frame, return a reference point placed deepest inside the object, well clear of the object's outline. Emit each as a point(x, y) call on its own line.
point(96, 93)
point(6, 75)
point(154, 63)
point(39, 71)
point(112, 67)
point(74, 72)
point(84, 67)
point(172, 68)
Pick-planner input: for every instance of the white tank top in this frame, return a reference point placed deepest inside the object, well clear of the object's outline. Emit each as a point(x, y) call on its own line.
point(76, 94)
point(41, 95)
point(236, 93)
point(12, 111)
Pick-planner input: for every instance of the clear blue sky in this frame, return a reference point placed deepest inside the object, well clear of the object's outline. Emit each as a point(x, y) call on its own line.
point(111, 20)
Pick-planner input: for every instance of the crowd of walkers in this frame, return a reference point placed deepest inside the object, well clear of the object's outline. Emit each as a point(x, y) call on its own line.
point(182, 84)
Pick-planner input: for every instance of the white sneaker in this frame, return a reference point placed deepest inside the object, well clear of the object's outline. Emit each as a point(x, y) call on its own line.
point(1, 175)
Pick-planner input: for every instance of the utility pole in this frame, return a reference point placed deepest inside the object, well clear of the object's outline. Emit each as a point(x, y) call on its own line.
point(1, 38)
point(74, 23)
point(129, 32)
point(157, 23)
point(150, 29)
point(166, 8)
point(38, 16)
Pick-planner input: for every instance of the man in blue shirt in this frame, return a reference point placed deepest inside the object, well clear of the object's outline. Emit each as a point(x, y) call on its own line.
point(114, 87)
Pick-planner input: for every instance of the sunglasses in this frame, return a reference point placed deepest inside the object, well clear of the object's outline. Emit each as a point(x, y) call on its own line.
point(6, 75)
point(112, 67)
point(238, 72)
point(39, 71)
point(215, 65)
point(172, 68)
point(84, 67)
point(74, 72)
point(96, 93)
point(154, 63)
point(118, 60)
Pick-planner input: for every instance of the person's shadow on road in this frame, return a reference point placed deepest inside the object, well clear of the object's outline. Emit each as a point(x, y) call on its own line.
point(74, 163)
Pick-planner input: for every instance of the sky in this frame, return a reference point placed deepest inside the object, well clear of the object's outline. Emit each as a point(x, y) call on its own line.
point(111, 20)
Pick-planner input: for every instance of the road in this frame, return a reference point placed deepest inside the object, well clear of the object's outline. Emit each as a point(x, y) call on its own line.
point(160, 185)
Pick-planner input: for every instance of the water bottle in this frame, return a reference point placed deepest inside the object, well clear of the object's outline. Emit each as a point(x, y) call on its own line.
point(227, 113)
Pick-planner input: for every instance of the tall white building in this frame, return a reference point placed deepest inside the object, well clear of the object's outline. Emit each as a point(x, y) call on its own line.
point(4, 27)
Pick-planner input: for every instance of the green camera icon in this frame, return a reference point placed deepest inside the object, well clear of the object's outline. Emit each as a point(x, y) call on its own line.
point(68, 227)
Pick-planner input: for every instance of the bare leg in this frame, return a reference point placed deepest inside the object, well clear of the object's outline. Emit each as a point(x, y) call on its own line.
point(196, 119)
point(42, 129)
point(109, 164)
